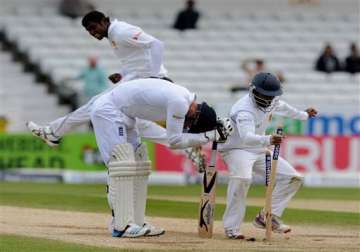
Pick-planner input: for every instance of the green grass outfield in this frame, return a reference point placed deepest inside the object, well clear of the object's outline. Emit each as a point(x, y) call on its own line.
point(92, 198)
point(18, 243)
point(12, 243)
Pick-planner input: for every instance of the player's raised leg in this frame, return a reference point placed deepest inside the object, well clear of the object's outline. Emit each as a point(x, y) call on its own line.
point(43, 132)
point(52, 132)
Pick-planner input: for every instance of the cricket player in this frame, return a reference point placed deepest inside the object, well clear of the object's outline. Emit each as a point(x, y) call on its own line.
point(244, 153)
point(141, 56)
point(113, 116)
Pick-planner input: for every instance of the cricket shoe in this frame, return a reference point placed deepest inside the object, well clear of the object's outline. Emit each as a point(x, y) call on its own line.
point(131, 231)
point(234, 234)
point(43, 132)
point(154, 231)
point(277, 225)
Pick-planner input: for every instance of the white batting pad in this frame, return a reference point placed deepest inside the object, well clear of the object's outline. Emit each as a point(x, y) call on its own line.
point(141, 182)
point(121, 197)
point(127, 178)
point(122, 152)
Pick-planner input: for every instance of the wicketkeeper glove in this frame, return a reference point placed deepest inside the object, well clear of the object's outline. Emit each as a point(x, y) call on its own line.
point(222, 132)
point(197, 158)
point(224, 128)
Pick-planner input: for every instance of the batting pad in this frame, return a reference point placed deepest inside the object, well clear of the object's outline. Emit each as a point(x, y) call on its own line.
point(124, 176)
point(141, 182)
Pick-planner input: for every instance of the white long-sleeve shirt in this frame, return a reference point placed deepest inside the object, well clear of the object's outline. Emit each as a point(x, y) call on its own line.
point(250, 124)
point(158, 100)
point(141, 54)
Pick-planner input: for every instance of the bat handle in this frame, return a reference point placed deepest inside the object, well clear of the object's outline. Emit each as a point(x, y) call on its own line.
point(213, 154)
point(214, 145)
point(279, 131)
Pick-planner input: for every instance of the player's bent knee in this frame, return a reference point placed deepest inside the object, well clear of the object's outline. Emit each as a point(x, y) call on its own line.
point(297, 180)
point(246, 179)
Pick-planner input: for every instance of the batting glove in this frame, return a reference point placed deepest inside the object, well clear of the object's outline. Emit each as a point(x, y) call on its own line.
point(197, 158)
point(224, 129)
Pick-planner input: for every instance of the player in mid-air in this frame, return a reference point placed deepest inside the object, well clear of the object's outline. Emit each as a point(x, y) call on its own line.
point(244, 153)
point(141, 56)
point(113, 116)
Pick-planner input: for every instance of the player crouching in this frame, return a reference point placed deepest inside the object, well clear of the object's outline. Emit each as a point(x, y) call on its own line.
point(114, 115)
point(244, 154)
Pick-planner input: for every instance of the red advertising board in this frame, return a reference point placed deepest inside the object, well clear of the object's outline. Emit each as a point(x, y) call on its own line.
point(176, 161)
point(321, 155)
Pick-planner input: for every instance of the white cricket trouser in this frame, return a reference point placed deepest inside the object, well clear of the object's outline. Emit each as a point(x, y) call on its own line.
point(112, 127)
point(146, 129)
point(242, 166)
point(74, 119)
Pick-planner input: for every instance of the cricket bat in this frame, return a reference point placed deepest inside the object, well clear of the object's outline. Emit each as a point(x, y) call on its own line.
point(270, 177)
point(207, 200)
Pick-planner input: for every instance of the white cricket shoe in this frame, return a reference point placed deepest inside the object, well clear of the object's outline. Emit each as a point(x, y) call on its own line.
point(234, 234)
point(43, 132)
point(277, 225)
point(154, 231)
point(131, 231)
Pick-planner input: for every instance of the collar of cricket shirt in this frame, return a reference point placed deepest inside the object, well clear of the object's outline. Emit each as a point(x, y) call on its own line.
point(111, 26)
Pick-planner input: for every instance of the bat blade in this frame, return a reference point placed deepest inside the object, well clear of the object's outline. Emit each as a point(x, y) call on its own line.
point(270, 168)
point(207, 199)
point(268, 199)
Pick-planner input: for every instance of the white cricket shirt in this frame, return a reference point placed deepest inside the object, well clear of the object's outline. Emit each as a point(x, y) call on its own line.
point(141, 54)
point(158, 100)
point(251, 123)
